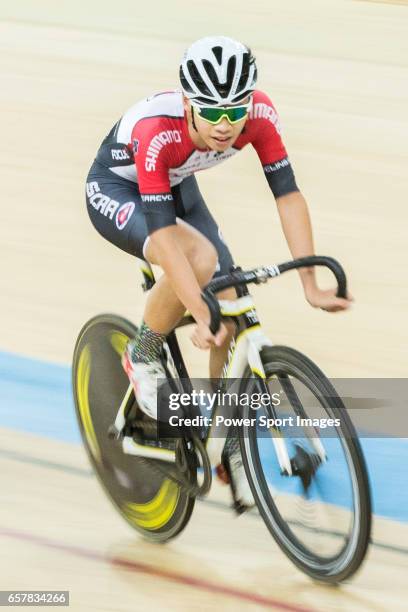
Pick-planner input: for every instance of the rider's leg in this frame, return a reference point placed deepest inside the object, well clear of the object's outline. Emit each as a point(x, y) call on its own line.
point(141, 359)
point(198, 216)
point(163, 308)
point(219, 354)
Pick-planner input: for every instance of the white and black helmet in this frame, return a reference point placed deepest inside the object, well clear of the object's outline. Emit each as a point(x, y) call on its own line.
point(217, 70)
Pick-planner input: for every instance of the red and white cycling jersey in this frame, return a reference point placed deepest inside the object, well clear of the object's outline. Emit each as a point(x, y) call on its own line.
point(151, 145)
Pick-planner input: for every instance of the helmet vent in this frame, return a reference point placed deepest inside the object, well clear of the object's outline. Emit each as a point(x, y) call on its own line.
point(185, 84)
point(222, 88)
point(245, 72)
point(218, 54)
point(195, 75)
point(232, 66)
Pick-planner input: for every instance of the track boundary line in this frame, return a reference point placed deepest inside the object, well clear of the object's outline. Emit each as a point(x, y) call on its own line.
point(145, 568)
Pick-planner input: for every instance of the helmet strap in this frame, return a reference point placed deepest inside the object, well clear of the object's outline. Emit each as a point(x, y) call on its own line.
point(192, 118)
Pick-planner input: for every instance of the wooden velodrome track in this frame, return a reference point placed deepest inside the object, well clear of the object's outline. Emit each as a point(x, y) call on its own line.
point(337, 71)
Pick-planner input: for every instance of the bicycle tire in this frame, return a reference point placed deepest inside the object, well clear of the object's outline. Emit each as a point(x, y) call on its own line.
point(287, 360)
point(152, 504)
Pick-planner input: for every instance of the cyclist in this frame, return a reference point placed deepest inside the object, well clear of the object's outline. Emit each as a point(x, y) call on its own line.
point(143, 197)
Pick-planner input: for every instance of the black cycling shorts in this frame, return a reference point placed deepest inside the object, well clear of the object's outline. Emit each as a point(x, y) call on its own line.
point(114, 207)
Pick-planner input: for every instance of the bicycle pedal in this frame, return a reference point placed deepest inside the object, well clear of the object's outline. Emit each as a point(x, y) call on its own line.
point(144, 431)
point(144, 425)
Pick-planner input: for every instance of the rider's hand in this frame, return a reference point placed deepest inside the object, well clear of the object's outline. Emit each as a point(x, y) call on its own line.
point(203, 338)
point(327, 300)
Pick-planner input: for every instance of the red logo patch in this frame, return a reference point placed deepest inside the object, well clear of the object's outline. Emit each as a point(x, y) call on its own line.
point(124, 213)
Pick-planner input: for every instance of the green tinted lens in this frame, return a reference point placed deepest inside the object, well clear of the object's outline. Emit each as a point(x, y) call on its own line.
point(237, 113)
point(214, 115)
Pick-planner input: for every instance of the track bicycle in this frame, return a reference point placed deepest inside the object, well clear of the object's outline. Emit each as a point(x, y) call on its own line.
point(310, 486)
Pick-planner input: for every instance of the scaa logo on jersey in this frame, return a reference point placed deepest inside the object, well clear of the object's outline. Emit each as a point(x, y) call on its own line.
point(124, 213)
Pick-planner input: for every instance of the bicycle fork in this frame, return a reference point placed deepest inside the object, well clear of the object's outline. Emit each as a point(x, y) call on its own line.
point(249, 345)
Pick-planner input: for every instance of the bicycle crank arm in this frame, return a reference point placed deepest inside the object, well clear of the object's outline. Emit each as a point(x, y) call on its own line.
point(116, 429)
point(130, 447)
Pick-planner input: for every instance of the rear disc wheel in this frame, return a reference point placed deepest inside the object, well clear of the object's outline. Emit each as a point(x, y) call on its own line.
point(154, 505)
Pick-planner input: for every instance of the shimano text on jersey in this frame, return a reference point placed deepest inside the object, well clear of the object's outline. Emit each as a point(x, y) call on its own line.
point(156, 145)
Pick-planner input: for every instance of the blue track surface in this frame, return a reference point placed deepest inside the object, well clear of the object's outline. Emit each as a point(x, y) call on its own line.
point(35, 396)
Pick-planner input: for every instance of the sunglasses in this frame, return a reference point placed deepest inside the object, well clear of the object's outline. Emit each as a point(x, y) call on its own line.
point(215, 114)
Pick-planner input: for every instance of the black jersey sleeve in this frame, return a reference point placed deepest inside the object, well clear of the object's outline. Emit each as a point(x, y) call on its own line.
point(159, 210)
point(281, 177)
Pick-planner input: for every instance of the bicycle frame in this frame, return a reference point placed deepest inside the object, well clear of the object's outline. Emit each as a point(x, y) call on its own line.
point(244, 350)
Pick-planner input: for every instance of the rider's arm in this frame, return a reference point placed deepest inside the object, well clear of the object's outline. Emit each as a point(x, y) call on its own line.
point(292, 207)
point(296, 225)
point(297, 228)
point(291, 204)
